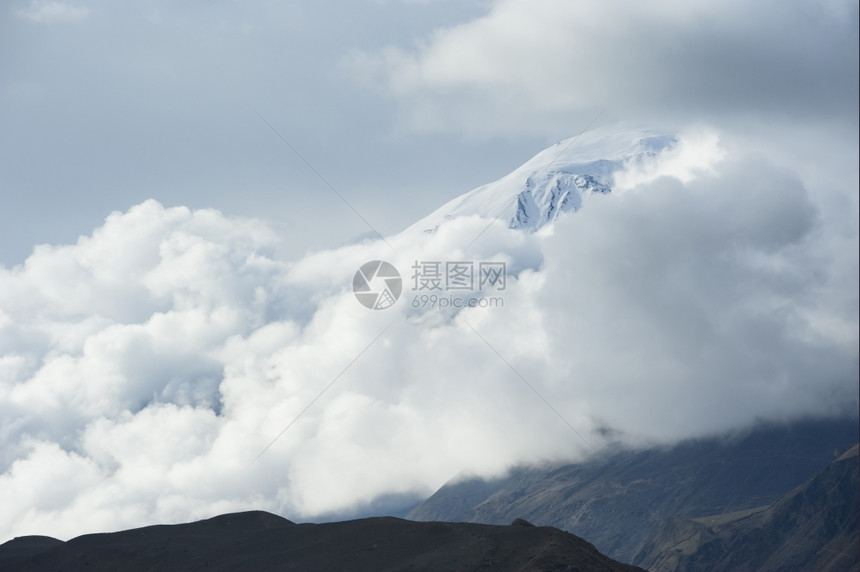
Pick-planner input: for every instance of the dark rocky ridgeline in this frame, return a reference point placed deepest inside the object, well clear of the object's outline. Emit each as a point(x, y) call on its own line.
point(814, 527)
point(262, 541)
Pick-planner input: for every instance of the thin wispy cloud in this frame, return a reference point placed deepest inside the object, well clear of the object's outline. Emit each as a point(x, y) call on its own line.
point(53, 11)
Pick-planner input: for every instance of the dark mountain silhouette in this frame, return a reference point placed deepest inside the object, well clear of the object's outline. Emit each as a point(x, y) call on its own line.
point(814, 527)
point(263, 541)
point(23, 548)
point(620, 499)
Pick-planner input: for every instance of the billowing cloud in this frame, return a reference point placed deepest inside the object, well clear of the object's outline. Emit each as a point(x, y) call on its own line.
point(531, 67)
point(144, 369)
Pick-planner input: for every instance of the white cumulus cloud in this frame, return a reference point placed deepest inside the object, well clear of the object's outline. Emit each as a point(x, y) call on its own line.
point(145, 368)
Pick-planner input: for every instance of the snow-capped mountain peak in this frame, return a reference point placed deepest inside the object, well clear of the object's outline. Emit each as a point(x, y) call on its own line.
point(559, 179)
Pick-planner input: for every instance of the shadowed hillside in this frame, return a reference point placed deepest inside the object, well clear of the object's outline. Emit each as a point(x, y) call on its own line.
point(262, 541)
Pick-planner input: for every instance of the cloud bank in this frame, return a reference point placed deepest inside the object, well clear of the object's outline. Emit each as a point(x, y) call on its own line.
point(144, 369)
point(529, 67)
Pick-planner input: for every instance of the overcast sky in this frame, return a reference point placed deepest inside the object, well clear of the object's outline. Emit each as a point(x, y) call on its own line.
point(400, 105)
point(175, 279)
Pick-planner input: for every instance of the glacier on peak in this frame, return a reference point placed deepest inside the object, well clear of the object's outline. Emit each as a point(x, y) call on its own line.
point(559, 179)
point(551, 193)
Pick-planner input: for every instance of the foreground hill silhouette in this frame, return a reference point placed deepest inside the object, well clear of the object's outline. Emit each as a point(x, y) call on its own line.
point(262, 541)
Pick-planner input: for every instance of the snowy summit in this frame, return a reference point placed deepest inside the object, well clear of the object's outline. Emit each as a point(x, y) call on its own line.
point(556, 180)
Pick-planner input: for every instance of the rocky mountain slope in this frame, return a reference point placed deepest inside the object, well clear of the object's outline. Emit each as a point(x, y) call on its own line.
point(814, 527)
point(620, 499)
